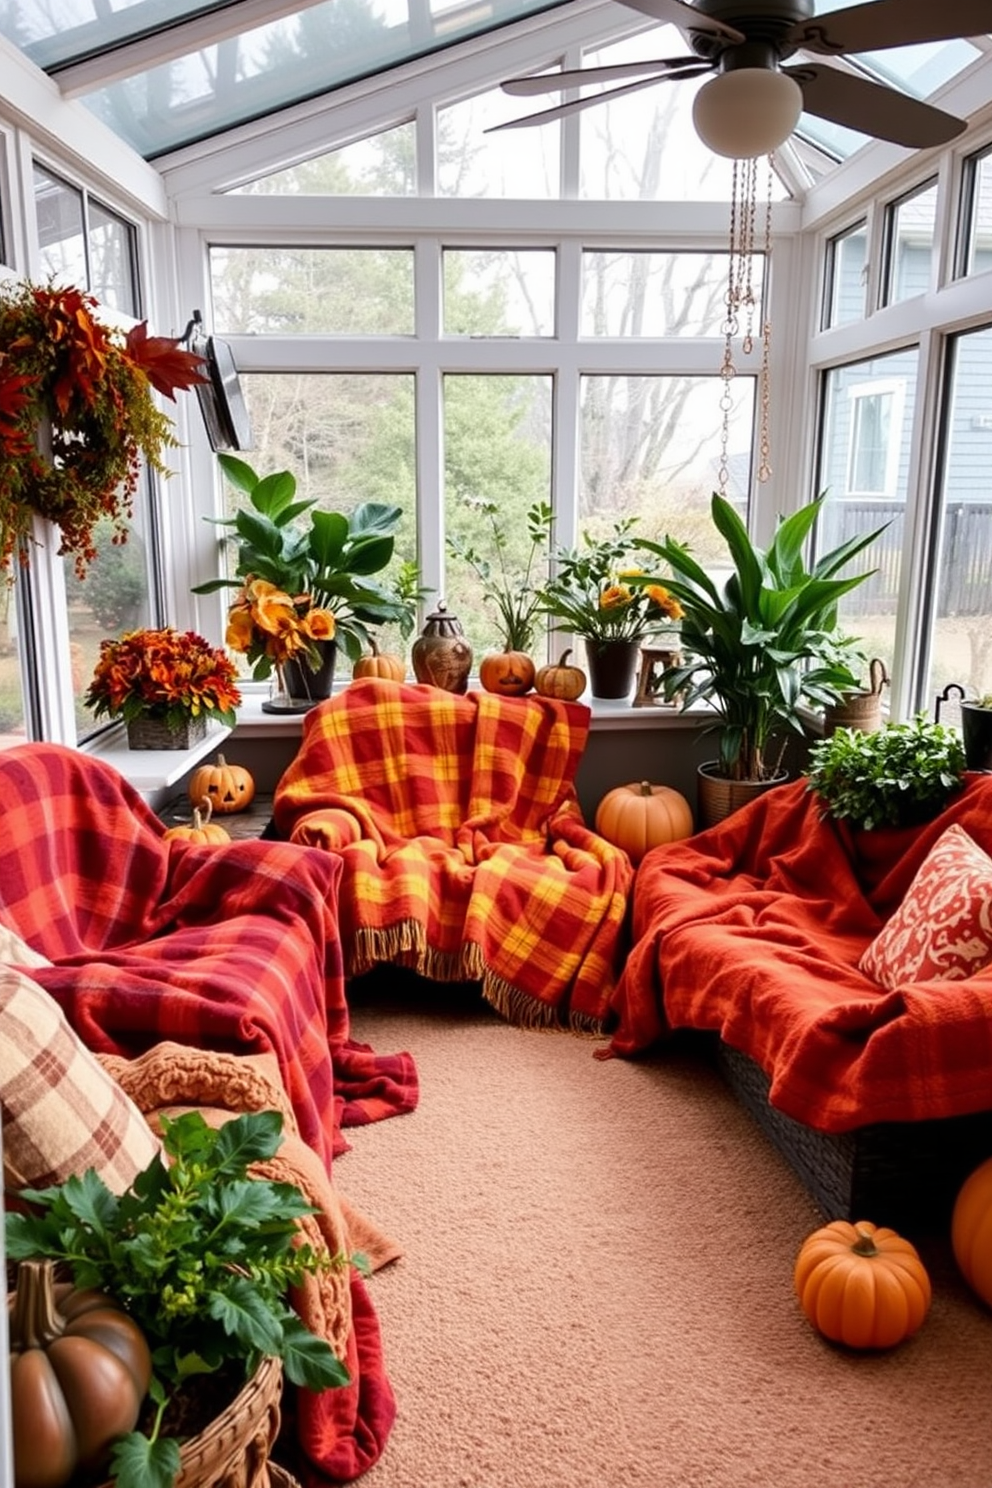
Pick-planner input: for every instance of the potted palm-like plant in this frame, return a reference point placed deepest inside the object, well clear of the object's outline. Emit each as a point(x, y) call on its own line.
point(760, 648)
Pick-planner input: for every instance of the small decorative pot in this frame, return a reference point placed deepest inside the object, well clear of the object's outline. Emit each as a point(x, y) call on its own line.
point(441, 655)
point(859, 710)
point(612, 665)
point(154, 733)
point(976, 735)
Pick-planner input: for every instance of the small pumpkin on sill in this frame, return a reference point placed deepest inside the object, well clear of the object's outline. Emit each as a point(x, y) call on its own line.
point(79, 1371)
point(229, 788)
point(509, 673)
point(378, 663)
point(561, 680)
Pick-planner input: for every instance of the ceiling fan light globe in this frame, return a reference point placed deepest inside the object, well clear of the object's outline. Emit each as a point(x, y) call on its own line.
point(747, 111)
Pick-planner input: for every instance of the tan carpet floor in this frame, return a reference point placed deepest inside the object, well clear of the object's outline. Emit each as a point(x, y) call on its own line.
point(596, 1290)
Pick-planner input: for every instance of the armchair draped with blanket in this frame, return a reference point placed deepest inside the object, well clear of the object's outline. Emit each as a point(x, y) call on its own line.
point(229, 949)
point(465, 853)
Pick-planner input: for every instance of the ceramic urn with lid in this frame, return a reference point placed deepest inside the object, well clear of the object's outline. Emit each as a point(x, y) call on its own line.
point(441, 655)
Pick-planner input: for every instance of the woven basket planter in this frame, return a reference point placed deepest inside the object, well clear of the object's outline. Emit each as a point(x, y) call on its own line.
point(233, 1451)
point(154, 733)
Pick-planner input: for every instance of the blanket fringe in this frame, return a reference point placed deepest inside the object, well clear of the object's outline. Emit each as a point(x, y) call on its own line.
point(405, 944)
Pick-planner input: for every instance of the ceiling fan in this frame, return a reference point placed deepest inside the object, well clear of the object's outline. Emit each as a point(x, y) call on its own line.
point(752, 103)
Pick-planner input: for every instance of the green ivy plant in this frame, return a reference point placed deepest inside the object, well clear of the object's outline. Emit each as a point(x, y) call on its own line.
point(900, 775)
point(201, 1255)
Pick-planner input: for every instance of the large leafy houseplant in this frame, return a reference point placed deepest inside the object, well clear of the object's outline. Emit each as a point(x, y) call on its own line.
point(200, 1254)
point(303, 582)
point(763, 645)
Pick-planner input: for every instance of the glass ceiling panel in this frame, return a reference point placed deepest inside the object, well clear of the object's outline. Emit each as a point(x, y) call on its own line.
point(247, 76)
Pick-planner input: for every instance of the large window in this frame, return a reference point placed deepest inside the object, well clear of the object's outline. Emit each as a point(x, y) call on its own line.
point(961, 595)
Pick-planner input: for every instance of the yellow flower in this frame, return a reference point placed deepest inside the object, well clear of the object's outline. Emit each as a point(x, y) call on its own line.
point(616, 597)
point(319, 625)
point(239, 628)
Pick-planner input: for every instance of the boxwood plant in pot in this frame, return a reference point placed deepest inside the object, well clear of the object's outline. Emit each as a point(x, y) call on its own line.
point(901, 775)
point(199, 1254)
point(760, 647)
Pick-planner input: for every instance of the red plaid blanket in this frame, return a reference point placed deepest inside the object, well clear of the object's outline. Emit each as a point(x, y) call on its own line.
point(230, 948)
point(464, 849)
point(755, 929)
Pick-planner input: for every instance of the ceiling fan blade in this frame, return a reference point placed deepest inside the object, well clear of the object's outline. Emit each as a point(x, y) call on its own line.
point(554, 82)
point(872, 108)
point(686, 17)
point(889, 23)
point(548, 116)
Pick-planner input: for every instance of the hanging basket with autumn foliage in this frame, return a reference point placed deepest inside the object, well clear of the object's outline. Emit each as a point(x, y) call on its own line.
point(77, 414)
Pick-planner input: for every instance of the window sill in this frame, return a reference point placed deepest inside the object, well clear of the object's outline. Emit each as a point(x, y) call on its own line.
point(151, 770)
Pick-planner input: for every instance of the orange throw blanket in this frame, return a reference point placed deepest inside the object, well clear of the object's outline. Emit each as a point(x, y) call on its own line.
point(335, 1435)
point(754, 930)
point(465, 853)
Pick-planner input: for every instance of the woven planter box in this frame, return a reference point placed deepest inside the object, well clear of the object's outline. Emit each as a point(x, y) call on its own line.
point(900, 1173)
point(154, 733)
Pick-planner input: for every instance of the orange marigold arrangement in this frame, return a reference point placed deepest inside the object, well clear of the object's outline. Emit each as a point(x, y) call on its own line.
point(270, 627)
point(77, 414)
point(592, 593)
point(167, 674)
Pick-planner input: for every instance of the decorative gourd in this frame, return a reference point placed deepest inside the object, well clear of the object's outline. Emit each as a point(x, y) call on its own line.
point(510, 673)
point(202, 828)
point(79, 1371)
point(641, 816)
point(862, 1285)
point(971, 1230)
point(561, 680)
point(228, 788)
point(380, 664)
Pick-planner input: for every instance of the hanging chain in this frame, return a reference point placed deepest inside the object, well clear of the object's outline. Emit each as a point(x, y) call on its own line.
point(741, 307)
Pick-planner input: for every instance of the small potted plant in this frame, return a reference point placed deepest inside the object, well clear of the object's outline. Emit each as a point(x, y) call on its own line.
point(595, 593)
point(976, 731)
point(200, 1256)
point(164, 685)
point(77, 414)
point(305, 590)
point(901, 775)
point(511, 591)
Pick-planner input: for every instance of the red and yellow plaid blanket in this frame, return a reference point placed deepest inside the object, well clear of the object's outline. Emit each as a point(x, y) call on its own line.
point(465, 853)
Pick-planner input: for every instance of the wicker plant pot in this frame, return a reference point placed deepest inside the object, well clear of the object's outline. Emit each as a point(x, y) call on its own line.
point(154, 733)
point(717, 796)
point(859, 710)
point(233, 1451)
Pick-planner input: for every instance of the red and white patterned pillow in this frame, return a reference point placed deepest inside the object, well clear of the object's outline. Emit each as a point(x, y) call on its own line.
point(942, 930)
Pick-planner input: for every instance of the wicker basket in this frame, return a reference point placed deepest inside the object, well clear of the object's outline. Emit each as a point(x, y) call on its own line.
point(860, 710)
point(155, 733)
point(233, 1451)
point(901, 1173)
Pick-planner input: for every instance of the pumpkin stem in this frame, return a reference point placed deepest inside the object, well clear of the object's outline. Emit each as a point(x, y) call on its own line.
point(564, 656)
point(34, 1318)
point(865, 1244)
point(645, 788)
point(202, 816)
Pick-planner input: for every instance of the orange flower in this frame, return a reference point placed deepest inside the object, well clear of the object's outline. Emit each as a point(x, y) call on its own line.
point(615, 597)
point(164, 673)
point(667, 603)
point(319, 625)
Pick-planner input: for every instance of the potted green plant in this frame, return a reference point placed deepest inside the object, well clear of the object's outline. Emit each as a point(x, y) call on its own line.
point(760, 647)
point(900, 775)
point(200, 1255)
point(594, 593)
point(303, 586)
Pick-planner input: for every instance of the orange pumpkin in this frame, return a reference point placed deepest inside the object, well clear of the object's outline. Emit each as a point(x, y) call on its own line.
point(79, 1372)
point(641, 816)
point(971, 1230)
point(379, 664)
point(510, 673)
point(561, 680)
point(202, 829)
point(861, 1285)
point(228, 788)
